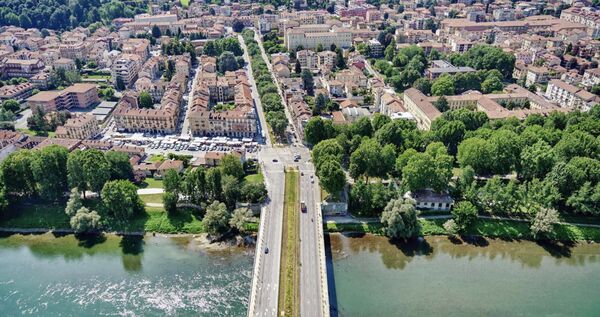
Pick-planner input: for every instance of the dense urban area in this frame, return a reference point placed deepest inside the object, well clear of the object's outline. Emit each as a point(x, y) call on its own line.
point(285, 120)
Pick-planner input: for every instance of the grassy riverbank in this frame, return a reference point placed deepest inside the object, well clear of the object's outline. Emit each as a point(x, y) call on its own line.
point(289, 275)
point(504, 229)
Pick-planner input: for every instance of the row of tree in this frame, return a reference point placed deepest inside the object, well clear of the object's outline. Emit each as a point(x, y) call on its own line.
point(270, 99)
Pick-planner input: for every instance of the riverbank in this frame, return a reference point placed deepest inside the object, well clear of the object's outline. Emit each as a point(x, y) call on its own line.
point(39, 218)
point(490, 228)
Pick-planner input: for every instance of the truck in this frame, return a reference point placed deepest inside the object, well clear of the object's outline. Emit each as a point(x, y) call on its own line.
point(302, 206)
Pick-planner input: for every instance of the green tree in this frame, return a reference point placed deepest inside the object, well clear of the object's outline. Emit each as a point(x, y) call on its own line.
point(297, 67)
point(423, 85)
point(443, 86)
point(49, 166)
point(442, 104)
point(156, 32)
point(475, 152)
point(213, 184)
point(119, 165)
point(278, 122)
point(491, 84)
point(318, 129)
point(464, 215)
point(231, 165)
point(326, 150)
point(379, 120)
point(536, 160)
point(505, 146)
point(17, 176)
point(74, 203)
point(216, 219)
point(120, 199)
point(308, 82)
point(11, 105)
point(227, 62)
point(239, 218)
point(254, 192)
point(85, 221)
point(399, 219)
point(331, 176)
point(231, 190)
point(586, 200)
point(145, 100)
point(172, 181)
point(170, 200)
point(577, 143)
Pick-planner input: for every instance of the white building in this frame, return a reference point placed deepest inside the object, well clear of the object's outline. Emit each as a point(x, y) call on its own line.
point(569, 96)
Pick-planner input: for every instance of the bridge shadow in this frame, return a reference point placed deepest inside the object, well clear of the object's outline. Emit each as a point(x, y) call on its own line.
point(330, 277)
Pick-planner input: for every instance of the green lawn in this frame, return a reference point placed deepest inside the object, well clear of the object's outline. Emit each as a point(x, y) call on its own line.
point(152, 198)
point(289, 275)
point(152, 183)
point(254, 178)
point(185, 3)
point(49, 134)
point(504, 229)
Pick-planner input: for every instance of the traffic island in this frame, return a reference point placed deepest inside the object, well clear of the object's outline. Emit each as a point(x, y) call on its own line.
point(289, 274)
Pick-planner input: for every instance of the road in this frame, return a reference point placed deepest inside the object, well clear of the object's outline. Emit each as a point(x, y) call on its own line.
point(185, 127)
point(21, 122)
point(265, 283)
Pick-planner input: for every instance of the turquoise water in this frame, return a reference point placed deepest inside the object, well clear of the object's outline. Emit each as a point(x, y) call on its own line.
point(439, 277)
point(41, 275)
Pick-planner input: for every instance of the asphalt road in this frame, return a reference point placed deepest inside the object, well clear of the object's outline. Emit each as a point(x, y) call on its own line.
point(266, 283)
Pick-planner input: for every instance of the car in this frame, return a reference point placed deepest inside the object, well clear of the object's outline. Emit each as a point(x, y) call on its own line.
point(301, 173)
point(275, 160)
point(312, 181)
point(266, 250)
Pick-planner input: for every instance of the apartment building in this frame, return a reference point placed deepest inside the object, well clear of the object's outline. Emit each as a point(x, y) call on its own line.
point(17, 92)
point(310, 36)
point(126, 69)
point(569, 96)
point(79, 127)
point(307, 58)
point(72, 51)
point(130, 117)
point(588, 16)
point(440, 67)
point(237, 122)
point(140, 47)
point(76, 96)
point(13, 67)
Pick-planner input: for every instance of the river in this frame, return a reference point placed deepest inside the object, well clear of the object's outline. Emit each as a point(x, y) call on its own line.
point(438, 276)
point(44, 275)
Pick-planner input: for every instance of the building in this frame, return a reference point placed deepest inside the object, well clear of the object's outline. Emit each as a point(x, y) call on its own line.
point(17, 92)
point(569, 96)
point(237, 122)
point(310, 36)
point(375, 48)
point(125, 69)
point(427, 199)
point(588, 16)
point(440, 67)
point(307, 59)
point(21, 67)
point(79, 127)
point(75, 96)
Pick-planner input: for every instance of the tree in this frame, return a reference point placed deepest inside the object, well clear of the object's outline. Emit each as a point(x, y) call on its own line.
point(326, 150)
point(170, 200)
point(442, 104)
point(119, 165)
point(586, 199)
point(331, 176)
point(491, 84)
point(536, 160)
point(85, 221)
point(464, 215)
point(120, 199)
point(475, 152)
point(74, 203)
point(238, 26)
point(231, 165)
point(577, 143)
point(216, 219)
point(320, 103)
point(308, 82)
point(391, 133)
point(239, 218)
point(318, 129)
point(542, 225)
point(371, 160)
point(214, 186)
point(278, 122)
point(362, 127)
point(443, 86)
point(423, 85)
point(145, 100)
point(16, 173)
point(156, 32)
point(11, 105)
point(399, 219)
point(48, 167)
point(231, 190)
point(340, 61)
point(450, 133)
point(379, 120)
point(254, 192)
point(120, 84)
point(227, 62)
point(297, 67)
point(505, 147)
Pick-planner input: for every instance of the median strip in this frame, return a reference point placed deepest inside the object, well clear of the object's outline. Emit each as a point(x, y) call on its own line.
point(289, 274)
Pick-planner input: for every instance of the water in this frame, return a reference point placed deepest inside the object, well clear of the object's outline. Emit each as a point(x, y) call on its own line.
point(440, 277)
point(43, 275)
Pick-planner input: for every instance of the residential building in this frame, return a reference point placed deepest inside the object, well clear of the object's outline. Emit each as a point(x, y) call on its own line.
point(126, 68)
point(78, 127)
point(307, 59)
point(569, 96)
point(27, 68)
point(440, 67)
point(75, 96)
point(310, 36)
point(18, 92)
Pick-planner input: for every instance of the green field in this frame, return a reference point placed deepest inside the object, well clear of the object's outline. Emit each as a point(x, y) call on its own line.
point(152, 198)
point(152, 183)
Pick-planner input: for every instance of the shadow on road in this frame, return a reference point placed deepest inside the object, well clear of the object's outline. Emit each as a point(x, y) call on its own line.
point(330, 278)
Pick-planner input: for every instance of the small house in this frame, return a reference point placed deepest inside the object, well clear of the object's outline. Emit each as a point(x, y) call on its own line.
point(428, 199)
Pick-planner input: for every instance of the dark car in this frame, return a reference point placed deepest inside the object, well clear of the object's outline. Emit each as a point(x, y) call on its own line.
point(266, 250)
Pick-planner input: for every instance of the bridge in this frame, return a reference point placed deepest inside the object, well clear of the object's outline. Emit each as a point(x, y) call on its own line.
point(314, 296)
